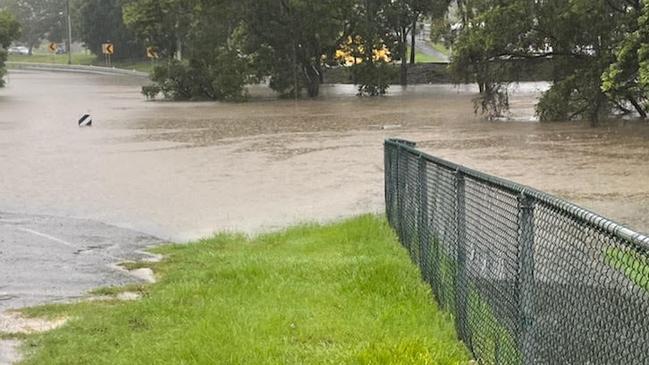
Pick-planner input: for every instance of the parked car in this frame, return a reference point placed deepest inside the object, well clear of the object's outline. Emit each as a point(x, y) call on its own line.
point(19, 50)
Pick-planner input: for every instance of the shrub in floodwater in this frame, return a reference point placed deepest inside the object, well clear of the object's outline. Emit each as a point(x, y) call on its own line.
point(223, 79)
point(372, 78)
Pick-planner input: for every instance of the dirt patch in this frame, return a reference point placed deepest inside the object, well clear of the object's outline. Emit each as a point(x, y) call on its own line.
point(16, 323)
point(128, 296)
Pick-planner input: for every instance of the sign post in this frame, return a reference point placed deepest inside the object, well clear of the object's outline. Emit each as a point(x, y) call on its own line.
point(152, 54)
point(108, 49)
point(53, 48)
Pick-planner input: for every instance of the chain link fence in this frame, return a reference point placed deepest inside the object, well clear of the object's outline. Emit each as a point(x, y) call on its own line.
point(529, 278)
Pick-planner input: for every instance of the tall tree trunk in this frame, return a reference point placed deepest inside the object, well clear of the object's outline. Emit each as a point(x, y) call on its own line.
point(596, 109)
point(413, 39)
point(404, 63)
point(312, 78)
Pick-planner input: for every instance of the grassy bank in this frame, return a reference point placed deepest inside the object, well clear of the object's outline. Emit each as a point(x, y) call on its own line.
point(337, 294)
point(82, 59)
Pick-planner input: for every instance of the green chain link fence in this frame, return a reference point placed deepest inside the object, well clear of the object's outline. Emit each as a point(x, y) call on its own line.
point(529, 278)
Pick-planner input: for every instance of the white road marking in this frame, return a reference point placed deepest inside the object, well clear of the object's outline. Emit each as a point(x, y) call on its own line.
point(47, 236)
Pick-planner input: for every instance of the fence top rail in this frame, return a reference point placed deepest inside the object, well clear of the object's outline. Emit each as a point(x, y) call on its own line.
point(607, 225)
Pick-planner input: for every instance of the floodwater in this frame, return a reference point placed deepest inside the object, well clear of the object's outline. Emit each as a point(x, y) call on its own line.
point(180, 171)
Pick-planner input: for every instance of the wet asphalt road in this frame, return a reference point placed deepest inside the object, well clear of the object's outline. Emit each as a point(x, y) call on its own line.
point(47, 259)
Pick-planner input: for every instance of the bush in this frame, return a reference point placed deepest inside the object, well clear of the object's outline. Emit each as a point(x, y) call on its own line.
point(372, 78)
point(151, 91)
point(224, 78)
point(3, 71)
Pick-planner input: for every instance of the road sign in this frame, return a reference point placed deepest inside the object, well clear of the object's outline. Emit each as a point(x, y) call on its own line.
point(108, 48)
point(152, 53)
point(53, 47)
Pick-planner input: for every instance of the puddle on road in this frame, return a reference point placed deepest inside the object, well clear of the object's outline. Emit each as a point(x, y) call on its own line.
point(184, 170)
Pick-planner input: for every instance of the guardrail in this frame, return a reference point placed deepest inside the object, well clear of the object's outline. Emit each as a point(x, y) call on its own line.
point(74, 68)
point(529, 278)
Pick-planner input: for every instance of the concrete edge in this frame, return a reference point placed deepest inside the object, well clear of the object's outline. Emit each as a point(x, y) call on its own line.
point(74, 68)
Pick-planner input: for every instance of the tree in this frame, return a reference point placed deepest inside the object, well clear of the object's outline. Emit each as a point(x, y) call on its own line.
point(9, 31)
point(626, 81)
point(402, 17)
point(214, 64)
point(370, 28)
point(39, 19)
point(164, 24)
point(291, 40)
point(101, 21)
point(579, 38)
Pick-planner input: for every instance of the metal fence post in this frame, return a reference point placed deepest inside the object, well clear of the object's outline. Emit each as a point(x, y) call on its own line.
point(422, 221)
point(461, 289)
point(387, 178)
point(399, 196)
point(526, 277)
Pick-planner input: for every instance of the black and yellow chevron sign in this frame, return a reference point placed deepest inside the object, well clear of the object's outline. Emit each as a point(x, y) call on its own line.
point(53, 47)
point(152, 53)
point(108, 48)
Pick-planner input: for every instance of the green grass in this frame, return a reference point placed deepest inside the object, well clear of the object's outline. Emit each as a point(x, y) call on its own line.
point(440, 47)
point(82, 59)
point(492, 342)
point(77, 58)
point(338, 294)
point(634, 265)
point(422, 57)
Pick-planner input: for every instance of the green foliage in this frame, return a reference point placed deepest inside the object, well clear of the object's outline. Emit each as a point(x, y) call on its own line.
point(3, 71)
point(208, 33)
point(227, 43)
point(151, 91)
point(39, 19)
point(372, 78)
point(292, 38)
point(626, 81)
point(100, 21)
point(579, 37)
point(492, 342)
point(164, 24)
point(371, 29)
point(222, 79)
point(338, 294)
point(401, 17)
point(9, 30)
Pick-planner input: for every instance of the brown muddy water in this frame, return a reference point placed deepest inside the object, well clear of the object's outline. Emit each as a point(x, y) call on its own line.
point(181, 171)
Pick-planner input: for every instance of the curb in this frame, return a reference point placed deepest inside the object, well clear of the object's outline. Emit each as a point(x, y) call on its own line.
point(74, 68)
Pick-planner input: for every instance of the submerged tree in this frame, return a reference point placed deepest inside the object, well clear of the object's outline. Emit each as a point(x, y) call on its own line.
point(402, 17)
point(578, 37)
point(9, 31)
point(209, 35)
point(293, 39)
point(626, 82)
point(372, 74)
